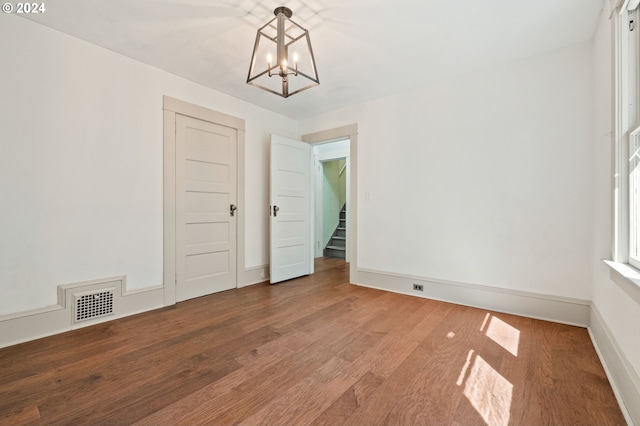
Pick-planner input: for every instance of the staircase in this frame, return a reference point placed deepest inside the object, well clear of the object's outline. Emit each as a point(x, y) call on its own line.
point(337, 243)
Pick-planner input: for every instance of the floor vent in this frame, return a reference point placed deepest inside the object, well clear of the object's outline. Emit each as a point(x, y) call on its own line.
point(93, 305)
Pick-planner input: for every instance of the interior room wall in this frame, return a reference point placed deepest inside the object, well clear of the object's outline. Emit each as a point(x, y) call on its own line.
point(614, 299)
point(483, 178)
point(81, 167)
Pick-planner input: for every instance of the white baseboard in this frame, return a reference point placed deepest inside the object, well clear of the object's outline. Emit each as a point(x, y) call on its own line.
point(622, 376)
point(533, 305)
point(34, 324)
point(31, 325)
point(256, 274)
point(25, 326)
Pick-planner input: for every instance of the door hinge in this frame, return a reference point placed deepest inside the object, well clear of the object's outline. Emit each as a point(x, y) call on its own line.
point(176, 281)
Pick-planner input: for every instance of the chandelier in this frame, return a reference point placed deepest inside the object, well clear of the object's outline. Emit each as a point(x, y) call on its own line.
point(272, 68)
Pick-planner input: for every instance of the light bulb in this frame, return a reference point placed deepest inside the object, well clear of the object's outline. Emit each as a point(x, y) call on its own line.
point(295, 62)
point(269, 58)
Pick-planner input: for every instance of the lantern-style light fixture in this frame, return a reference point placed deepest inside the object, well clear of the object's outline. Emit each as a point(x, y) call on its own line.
point(282, 61)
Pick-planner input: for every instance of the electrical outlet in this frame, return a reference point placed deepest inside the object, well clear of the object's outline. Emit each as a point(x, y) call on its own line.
point(418, 287)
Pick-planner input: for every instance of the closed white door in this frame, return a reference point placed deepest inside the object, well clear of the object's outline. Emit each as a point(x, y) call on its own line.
point(205, 207)
point(290, 209)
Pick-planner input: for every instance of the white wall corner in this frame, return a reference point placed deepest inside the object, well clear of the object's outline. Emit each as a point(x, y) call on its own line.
point(256, 275)
point(623, 378)
point(38, 323)
point(532, 305)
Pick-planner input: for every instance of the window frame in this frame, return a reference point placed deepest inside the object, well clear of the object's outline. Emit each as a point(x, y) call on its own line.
point(633, 143)
point(626, 131)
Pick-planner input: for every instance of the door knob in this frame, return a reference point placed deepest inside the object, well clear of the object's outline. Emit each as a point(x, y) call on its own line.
point(232, 210)
point(276, 209)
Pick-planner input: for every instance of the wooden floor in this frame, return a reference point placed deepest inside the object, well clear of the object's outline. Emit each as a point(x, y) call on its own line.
point(315, 350)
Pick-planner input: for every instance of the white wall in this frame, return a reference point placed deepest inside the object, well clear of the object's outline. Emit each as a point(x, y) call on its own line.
point(484, 178)
point(81, 164)
point(614, 300)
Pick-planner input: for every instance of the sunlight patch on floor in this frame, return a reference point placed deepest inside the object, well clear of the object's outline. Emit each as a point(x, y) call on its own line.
point(486, 318)
point(503, 334)
point(489, 393)
point(465, 367)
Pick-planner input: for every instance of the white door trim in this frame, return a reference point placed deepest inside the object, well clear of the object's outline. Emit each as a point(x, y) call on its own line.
point(344, 132)
point(319, 204)
point(171, 107)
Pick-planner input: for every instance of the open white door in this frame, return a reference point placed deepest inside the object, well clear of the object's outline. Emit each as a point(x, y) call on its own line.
point(290, 209)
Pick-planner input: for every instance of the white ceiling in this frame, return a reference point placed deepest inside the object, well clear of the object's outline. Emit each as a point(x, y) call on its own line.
point(364, 48)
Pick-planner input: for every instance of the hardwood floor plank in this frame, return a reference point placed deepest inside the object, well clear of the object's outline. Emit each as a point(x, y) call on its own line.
point(347, 403)
point(307, 399)
point(28, 414)
point(386, 358)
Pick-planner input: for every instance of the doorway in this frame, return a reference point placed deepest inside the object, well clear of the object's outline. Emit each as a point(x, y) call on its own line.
point(332, 199)
point(348, 132)
point(203, 189)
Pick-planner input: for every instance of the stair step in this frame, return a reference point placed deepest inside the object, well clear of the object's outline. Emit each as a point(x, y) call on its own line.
point(337, 243)
point(336, 252)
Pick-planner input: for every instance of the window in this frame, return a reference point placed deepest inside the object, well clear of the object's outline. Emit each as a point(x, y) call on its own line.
point(627, 131)
point(634, 198)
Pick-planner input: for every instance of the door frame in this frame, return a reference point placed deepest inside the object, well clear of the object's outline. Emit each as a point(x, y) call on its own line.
point(319, 195)
point(171, 107)
point(340, 133)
